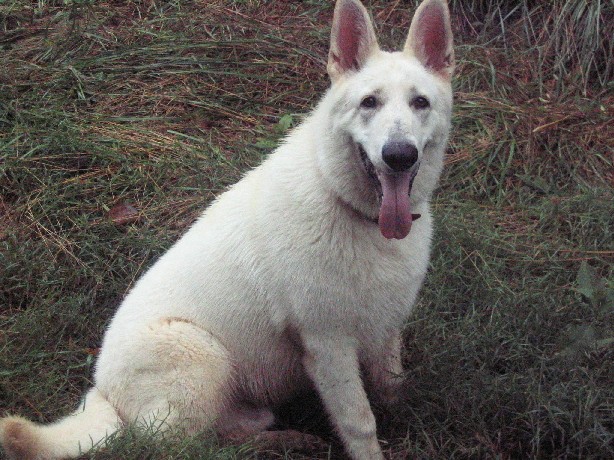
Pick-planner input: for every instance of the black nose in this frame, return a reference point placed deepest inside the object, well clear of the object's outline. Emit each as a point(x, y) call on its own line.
point(400, 156)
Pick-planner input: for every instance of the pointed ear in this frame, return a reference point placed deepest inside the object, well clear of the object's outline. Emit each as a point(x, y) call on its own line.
point(430, 38)
point(352, 38)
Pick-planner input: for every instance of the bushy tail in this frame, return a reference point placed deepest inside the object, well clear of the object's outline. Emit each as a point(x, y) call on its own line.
point(67, 438)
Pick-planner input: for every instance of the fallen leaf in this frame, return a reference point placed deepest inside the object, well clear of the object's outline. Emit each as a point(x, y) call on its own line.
point(122, 214)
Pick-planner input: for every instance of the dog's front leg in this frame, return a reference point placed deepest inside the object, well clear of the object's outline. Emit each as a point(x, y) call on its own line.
point(332, 364)
point(384, 371)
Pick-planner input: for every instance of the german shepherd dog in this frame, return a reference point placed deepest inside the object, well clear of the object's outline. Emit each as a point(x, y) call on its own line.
point(298, 277)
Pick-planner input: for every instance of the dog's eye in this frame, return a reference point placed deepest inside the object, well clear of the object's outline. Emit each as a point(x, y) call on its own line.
point(421, 102)
point(368, 102)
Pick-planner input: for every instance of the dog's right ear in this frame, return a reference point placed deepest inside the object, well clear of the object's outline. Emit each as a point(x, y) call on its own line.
point(352, 38)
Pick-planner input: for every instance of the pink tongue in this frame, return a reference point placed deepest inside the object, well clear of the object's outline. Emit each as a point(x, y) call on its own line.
point(394, 215)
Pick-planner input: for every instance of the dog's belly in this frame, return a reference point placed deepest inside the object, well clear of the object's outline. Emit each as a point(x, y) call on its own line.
point(270, 374)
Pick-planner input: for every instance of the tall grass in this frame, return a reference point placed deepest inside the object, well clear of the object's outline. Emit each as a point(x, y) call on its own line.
point(151, 109)
point(571, 40)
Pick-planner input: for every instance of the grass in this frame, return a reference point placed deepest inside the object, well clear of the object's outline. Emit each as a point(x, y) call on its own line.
point(148, 110)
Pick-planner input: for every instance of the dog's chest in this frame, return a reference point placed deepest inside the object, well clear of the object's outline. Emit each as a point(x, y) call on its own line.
point(357, 288)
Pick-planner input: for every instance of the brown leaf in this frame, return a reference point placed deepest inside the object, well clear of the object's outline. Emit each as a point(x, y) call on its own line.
point(122, 214)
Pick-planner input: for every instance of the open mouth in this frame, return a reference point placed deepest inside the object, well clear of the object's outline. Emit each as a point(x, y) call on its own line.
point(370, 169)
point(393, 189)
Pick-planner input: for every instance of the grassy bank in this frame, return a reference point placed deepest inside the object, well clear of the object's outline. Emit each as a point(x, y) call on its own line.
point(121, 120)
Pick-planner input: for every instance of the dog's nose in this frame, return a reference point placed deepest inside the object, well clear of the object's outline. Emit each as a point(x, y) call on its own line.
point(400, 156)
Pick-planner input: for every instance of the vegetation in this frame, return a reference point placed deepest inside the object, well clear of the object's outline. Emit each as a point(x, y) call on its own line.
point(121, 120)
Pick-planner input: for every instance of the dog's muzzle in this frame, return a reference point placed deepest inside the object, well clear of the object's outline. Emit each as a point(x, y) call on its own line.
point(394, 187)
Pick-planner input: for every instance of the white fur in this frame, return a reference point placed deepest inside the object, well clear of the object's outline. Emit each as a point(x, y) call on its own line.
point(283, 284)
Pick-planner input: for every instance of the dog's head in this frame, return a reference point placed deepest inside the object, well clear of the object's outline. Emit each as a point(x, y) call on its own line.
point(392, 109)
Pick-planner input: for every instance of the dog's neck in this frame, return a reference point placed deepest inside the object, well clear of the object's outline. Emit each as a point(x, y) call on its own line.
point(356, 212)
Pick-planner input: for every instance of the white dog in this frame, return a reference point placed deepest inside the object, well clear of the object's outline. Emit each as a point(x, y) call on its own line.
point(299, 276)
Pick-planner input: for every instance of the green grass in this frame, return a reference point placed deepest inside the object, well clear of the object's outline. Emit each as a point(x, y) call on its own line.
point(161, 105)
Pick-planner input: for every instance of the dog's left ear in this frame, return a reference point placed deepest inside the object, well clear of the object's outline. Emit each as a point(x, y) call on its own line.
point(430, 38)
point(352, 38)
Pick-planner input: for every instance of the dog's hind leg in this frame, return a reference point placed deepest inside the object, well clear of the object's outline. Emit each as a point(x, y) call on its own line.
point(177, 377)
point(247, 424)
point(242, 422)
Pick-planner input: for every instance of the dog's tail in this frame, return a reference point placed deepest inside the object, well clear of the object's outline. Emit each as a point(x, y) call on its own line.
point(69, 437)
